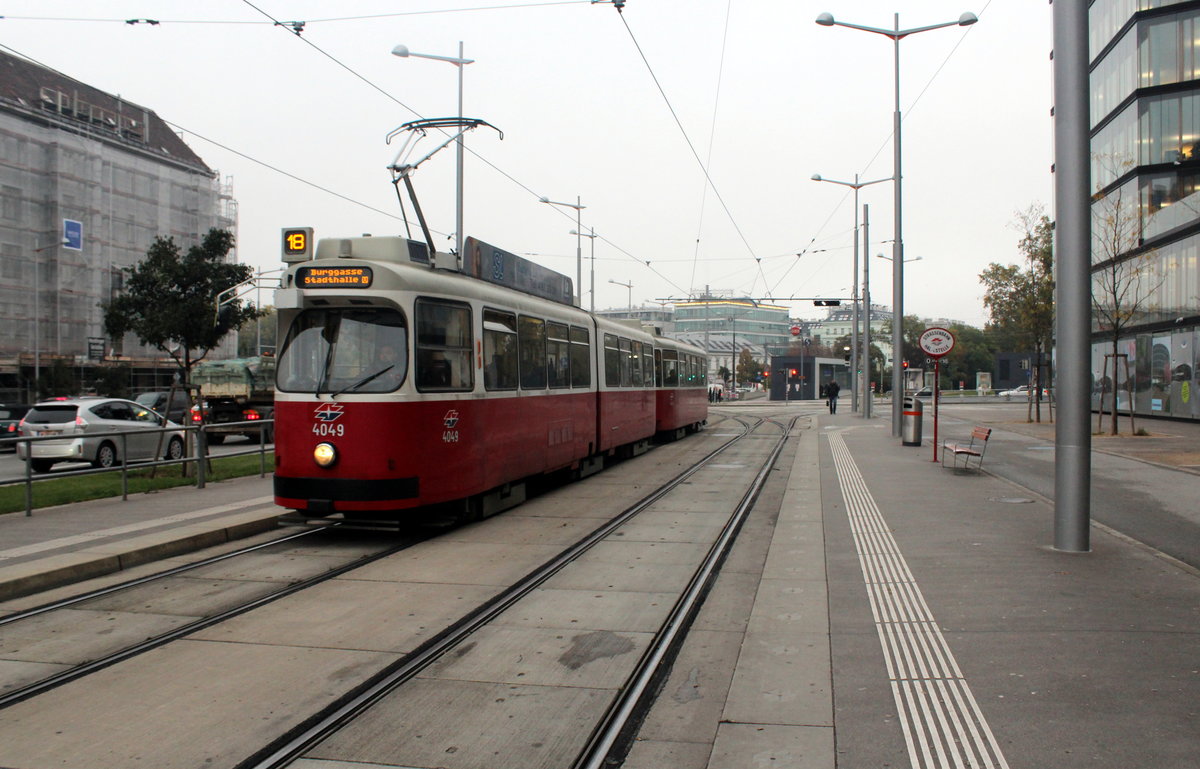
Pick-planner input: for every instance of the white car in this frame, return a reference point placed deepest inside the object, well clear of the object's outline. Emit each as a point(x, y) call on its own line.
point(1020, 392)
point(72, 422)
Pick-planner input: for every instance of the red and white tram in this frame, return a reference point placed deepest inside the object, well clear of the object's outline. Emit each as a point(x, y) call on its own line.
point(401, 384)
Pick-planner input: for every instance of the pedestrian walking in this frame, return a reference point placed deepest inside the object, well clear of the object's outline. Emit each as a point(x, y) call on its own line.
point(831, 393)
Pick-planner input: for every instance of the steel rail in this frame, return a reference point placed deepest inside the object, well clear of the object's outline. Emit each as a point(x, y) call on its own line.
point(322, 724)
point(668, 640)
point(104, 591)
point(80, 671)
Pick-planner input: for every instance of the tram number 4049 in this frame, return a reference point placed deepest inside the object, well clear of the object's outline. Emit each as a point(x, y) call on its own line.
point(326, 430)
point(450, 436)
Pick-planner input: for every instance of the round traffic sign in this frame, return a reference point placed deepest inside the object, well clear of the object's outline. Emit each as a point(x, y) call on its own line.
point(936, 342)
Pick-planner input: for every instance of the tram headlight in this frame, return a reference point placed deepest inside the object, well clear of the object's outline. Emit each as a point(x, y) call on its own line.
point(325, 454)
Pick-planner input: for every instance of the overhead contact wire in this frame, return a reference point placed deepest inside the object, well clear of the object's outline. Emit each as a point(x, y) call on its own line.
point(690, 145)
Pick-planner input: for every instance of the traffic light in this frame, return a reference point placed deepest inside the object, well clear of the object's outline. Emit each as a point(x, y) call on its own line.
point(905, 364)
point(794, 372)
point(827, 302)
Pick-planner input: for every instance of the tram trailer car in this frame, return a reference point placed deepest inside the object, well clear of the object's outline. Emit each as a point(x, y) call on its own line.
point(406, 382)
point(681, 388)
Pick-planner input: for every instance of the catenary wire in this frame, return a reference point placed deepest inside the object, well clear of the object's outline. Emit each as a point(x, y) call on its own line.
point(468, 149)
point(690, 145)
point(712, 133)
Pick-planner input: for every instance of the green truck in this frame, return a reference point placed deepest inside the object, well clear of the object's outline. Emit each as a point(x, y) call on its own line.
point(237, 390)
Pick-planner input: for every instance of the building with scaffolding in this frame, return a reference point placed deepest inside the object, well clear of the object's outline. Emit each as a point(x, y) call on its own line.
point(87, 181)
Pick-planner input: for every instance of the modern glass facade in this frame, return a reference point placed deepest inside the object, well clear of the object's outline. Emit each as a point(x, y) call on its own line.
point(752, 322)
point(1145, 116)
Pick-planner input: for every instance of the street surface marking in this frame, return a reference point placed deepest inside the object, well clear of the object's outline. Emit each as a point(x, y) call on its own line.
point(77, 539)
point(943, 725)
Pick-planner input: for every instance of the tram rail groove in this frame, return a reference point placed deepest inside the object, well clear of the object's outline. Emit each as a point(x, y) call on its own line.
point(78, 672)
point(309, 733)
point(616, 727)
point(149, 578)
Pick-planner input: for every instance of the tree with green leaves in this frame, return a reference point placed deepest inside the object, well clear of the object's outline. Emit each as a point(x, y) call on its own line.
point(1020, 300)
point(258, 334)
point(973, 352)
point(170, 299)
point(748, 369)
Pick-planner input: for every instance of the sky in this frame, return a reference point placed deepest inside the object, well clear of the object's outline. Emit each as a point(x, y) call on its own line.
point(688, 129)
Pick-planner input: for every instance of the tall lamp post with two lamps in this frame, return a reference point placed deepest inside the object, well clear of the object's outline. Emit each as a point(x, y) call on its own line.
point(460, 62)
point(856, 185)
point(896, 35)
point(578, 206)
point(592, 290)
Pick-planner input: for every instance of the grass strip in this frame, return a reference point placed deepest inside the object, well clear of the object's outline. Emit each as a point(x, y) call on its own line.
point(64, 491)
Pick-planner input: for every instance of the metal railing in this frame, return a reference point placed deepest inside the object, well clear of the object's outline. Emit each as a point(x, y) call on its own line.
point(200, 457)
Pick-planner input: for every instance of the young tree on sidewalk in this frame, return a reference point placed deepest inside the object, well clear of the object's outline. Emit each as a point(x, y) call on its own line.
point(1020, 301)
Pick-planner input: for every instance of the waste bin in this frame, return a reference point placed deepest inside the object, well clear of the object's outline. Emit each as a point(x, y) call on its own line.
point(910, 421)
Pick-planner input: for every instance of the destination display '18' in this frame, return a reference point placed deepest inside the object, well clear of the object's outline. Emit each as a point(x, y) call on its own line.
point(333, 277)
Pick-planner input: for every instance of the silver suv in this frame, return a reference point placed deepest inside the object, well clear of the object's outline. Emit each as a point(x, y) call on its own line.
point(74, 419)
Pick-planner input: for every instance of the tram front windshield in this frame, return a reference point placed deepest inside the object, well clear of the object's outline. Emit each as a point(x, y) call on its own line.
point(344, 351)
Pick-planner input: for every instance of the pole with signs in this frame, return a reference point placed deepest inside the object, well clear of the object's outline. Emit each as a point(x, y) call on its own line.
point(936, 342)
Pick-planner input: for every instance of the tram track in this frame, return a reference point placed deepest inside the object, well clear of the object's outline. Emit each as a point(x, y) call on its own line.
point(633, 694)
point(18, 693)
point(318, 621)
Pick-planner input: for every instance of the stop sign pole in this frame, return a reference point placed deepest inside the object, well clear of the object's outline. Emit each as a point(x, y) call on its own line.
point(936, 342)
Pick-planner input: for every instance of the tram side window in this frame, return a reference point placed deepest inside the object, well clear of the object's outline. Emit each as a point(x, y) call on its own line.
point(626, 361)
point(581, 358)
point(658, 376)
point(558, 355)
point(670, 366)
point(499, 350)
point(531, 342)
point(612, 361)
point(444, 346)
point(635, 364)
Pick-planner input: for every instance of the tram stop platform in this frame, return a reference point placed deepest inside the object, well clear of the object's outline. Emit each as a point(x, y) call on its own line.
point(894, 613)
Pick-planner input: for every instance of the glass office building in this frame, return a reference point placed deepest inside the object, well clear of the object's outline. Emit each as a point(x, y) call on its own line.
point(1145, 149)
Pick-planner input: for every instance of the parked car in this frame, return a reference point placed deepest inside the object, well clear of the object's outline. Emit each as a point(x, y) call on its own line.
point(10, 419)
point(924, 392)
point(75, 420)
point(177, 411)
point(1021, 391)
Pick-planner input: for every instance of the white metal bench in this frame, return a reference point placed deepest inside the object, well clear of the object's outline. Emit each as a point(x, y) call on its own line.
point(966, 452)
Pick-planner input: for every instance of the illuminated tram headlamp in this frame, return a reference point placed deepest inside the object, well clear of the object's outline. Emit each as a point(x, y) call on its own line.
point(325, 454)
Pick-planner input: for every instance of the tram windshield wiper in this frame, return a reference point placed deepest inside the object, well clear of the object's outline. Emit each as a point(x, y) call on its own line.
point(364, 380)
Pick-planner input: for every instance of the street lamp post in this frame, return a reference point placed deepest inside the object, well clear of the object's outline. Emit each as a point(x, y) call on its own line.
point(856, 185)
point(578, 206)
point(896, 362)
point(896, 34)
point(906, 261)
point(629, 286)
point(592, 290)
point(37, 306)
point(460, 63)
point(867, 396)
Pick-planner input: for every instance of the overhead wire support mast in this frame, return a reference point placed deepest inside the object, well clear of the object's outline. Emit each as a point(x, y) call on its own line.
point(402, 170)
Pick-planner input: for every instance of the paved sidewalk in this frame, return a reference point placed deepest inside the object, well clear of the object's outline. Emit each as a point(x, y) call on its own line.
point(958, 633)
